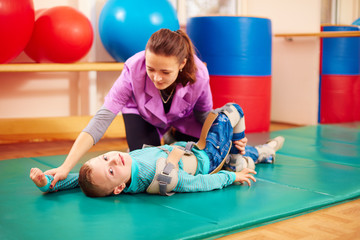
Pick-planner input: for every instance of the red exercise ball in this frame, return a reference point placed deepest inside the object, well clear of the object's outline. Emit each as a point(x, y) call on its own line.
point(16, 25)
point(61, 35)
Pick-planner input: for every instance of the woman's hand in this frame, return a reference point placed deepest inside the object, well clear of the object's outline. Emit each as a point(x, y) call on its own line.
point(82, 144)
point(58, 173)
point(245, 176)
point(240, 145)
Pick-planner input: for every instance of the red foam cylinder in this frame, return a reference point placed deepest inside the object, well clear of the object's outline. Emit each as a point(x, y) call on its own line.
point(253, 94)
point(357, 99)
point(339, 96)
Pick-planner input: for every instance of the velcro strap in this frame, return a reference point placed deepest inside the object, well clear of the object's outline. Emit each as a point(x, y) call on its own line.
point(168, 168)
point(188, 147)
point(165, 180)
point(163, 188)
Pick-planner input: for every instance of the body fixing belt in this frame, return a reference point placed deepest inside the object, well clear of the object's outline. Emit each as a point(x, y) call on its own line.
point(166, 176)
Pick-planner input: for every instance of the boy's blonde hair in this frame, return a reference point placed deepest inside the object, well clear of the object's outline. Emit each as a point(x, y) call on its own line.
point(87, 185)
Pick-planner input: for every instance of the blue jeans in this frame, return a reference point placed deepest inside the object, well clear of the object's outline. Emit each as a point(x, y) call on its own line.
point(219, 138)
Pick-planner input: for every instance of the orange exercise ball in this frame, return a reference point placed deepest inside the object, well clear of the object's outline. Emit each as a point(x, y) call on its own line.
point(16, 25)
point(61, 35)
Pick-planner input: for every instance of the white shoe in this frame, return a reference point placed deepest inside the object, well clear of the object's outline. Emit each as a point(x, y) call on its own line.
point(238, 162)
point(267, 151)
point(276, 143)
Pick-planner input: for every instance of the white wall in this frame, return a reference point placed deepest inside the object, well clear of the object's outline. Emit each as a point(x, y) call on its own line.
point(295, 64)
point(348, 11)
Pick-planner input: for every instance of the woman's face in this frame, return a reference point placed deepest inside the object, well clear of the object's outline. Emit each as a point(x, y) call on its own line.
point(162, 70)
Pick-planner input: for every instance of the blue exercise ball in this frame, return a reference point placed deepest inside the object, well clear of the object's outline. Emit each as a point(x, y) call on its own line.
point(356, 22)
point(126, 25)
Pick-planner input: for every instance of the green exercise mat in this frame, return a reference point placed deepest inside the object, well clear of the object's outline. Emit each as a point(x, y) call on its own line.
point(318, 166)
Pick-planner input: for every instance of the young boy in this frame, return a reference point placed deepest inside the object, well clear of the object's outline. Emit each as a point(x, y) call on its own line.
point(138, 171)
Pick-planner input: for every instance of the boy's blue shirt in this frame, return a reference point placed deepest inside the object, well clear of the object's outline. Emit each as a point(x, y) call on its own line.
point(144, 167)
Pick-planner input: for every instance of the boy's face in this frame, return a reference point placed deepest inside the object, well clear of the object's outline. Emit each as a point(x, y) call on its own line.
point(111, 171)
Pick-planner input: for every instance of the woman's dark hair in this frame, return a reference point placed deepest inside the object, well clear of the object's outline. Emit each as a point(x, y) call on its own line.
point(175, 43)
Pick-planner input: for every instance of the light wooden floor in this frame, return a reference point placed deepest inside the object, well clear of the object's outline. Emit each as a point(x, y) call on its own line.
point(337, 222)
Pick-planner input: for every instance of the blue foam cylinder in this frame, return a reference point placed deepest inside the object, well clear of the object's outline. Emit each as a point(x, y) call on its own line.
point(341, 55)
point(233, 45)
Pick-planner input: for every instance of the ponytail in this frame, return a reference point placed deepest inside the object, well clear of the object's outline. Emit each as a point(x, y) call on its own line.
point(175, 43)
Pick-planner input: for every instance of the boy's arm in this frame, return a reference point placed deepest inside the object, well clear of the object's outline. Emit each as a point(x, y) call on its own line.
point(43, 181)
point(202, 183)
point(70, 182)
point(86, 139)
point(245, 176)
point(82, 144)
point(209, 182)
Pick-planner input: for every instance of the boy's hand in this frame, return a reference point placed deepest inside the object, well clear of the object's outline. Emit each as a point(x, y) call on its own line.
point(245, 176)
point(38, 177)
point(240, 145)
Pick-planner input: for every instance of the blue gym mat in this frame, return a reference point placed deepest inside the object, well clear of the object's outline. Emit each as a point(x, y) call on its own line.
point(318, 166)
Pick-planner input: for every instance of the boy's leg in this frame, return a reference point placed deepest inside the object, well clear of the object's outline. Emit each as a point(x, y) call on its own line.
point(238, 162)
point(266, 152)
point(259, 154)
point(221, 134)
point(237, 119)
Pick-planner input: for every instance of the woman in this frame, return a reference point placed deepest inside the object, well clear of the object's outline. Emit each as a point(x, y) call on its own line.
point(164, 88)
